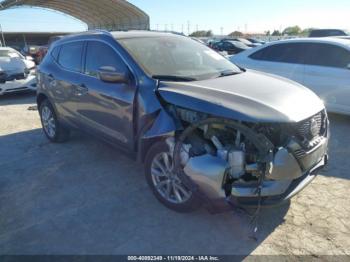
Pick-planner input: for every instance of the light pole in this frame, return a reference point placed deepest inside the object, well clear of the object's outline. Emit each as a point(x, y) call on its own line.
point(3, 37)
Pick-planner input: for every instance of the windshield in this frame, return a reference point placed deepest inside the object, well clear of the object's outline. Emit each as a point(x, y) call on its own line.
point(245, 41)
point(177, 58)
point(239, 44)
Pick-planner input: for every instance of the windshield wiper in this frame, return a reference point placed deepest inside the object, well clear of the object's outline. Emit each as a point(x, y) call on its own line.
point(228, 73)
point(173, 78)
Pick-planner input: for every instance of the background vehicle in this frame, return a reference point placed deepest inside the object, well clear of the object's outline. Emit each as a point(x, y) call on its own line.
point(256, 41)
point(323, 65)
point(18, 72)
point(212, 42)
point(247, 42)
point(327, 32)
point(204, 129)
point(33, 51)
point(230, 46)
point(41, 54)
point(2, 76)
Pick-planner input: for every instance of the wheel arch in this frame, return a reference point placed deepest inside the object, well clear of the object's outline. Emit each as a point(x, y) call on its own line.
point(160, 129)
point(40, 98)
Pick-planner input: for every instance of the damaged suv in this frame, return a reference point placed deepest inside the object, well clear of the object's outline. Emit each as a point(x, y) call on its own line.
point(207, 131)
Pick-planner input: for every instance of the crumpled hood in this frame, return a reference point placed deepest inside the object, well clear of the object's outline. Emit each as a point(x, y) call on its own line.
point(249, 96)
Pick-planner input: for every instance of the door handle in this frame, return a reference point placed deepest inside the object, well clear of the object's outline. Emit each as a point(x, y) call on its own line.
point(50, 77)
point(81, 90)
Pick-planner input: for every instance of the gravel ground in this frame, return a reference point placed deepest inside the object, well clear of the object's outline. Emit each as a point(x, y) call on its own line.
point(84, 197)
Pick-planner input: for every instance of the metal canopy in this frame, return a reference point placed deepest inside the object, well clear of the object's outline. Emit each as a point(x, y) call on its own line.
point(97, 14)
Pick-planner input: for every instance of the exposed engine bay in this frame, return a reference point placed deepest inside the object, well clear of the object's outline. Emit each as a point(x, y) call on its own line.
point(224, 158)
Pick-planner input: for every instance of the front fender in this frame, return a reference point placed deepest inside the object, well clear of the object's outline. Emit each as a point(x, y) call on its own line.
point(162, 127)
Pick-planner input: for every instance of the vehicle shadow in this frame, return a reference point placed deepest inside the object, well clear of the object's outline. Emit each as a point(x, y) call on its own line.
point(20, 98)
point(84, 197)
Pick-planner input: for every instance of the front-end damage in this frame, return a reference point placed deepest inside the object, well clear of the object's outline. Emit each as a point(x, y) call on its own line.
point(246, 163)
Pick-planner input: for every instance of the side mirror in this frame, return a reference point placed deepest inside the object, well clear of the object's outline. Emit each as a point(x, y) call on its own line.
point(348, 66)
point(110, 75)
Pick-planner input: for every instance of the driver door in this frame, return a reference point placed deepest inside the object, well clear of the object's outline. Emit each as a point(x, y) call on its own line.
point(105, 108)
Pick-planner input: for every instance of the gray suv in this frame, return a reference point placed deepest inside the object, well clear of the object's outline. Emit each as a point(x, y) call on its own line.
point(207, 131)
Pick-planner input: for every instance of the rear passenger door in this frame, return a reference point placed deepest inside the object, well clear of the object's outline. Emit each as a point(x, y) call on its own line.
point(328, 75)
point(106, 109)
point(285, 59)
point(64, 79)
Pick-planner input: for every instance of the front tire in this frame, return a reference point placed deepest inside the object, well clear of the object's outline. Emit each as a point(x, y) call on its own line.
point(52, 128)
point(165, 184)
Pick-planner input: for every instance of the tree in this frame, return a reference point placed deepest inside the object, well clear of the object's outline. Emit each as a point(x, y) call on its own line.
point(202, 33)
point(276, 33)
point(292, 30)
point(306, 31)
point(236, 34)
point(267, 33)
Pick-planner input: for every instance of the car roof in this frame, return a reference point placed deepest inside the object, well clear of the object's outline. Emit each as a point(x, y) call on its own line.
point(115, 34)
point(329, 40)
point(326, 29)
point(234, 41)
point(140, 34)
point(347, 37)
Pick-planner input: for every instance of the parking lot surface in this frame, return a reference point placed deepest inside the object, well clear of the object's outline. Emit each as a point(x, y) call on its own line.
point(85, 197)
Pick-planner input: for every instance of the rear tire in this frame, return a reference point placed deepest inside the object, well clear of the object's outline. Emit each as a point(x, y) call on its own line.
point(165, 185)
point(52, 128)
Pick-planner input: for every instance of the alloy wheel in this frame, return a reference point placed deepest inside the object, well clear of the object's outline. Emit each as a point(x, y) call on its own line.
point(166, 181)
point(48, 121)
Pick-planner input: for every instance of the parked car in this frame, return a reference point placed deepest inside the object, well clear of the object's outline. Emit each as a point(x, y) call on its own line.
point(17, 73)
point(205, 130)
point(321, 64)
point(247, 42)
point(212, 42)
point(256, 41)
point(32, 51)
point(327, 32)
point(2, 76)
point(41, 54)
point(230, 46)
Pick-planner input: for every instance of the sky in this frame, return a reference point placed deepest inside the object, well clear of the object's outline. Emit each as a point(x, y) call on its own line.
point(253, 16)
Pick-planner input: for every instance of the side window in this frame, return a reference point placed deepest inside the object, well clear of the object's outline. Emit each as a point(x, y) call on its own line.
point(98, 55)
point(328, 55)
point(55, 52)
point(70, 56)
point(259, 55)
point(227, 45)
point(270, 53)
point(284, 53)
point(219, 45)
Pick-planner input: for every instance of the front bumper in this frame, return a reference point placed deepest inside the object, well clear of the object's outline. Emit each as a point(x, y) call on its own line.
point(291, 173)
point(292, 189)
point(19, 85)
